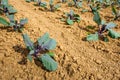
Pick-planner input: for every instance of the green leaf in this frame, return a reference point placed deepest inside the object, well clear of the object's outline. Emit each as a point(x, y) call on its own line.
point(31, 52)
point(4, 22)
point(28, 0)
point(29, 57)
point(43, 4)
point(29, 44)
point(106, 39)
point(90, 27)
point(51, 54)
point(103, 22)
point(93, 37)
point(114, 10)
point(11, 9)
point(4, 2)
point(77, 17)
point(84, 10)
point(113, 34)
point(23, 21)
point(79, 4)
point(51, 2)
point(70, 22)
point(49, 44)
point(70, 4)
point(48, 62)
point(110, 25)
point(71, 13)
point(10, 17)
point(57, 6)
point(97, 18)
point(43, 39)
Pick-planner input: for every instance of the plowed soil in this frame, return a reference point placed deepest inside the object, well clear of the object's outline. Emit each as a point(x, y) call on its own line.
point(77, 59)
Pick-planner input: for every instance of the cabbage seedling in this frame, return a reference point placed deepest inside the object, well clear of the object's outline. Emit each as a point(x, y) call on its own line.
point(17, 26)
point(6, 8)
point(45, 43)
point(103, 27)
point(52, 6)
point(41, 4)
point(71, 17)
point(76, 3)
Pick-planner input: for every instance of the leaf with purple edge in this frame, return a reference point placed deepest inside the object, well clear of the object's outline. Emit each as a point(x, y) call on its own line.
point(49, 63)
point(113, 34)
point(11, 9)
point(49, 44)
point(23, 21)
point(92, 37)
point(4, 2)
point(57, 6)
point(110, 25)
point(43, 39)
point(29, 44)
point(69, 21)
point(4, 21)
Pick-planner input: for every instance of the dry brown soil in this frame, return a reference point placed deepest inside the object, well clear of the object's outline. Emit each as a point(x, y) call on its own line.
point(77, 59)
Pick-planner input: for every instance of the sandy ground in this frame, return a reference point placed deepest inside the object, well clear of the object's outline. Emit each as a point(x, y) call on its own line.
point(77, 58)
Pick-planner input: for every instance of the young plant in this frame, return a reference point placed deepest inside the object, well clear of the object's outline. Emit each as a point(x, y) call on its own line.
point(44, 44)
point(6, 8)
point(42, 4)
point(102, 3)
point(115, 13)
point(17, 26)
point(103, 27)
point(71, 17)
point(76, 3)
point(53, 7)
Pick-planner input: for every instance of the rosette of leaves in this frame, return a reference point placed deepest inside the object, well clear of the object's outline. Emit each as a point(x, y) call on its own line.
point(115, 12)
point(76, 3)
point(6, 8)
point(41, 4)
point(44, 44)
point(107, 27)
point(103, 27)
point(102, 3)
point(14, 23)
point(71, 17)
point(52, 6)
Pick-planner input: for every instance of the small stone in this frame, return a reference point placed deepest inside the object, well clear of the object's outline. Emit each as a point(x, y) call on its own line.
point(98, 61)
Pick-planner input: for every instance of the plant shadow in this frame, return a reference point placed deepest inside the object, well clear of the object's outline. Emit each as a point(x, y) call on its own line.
point(23, 52)
point(6, 28)
point(89, 29)
point(39, 63)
